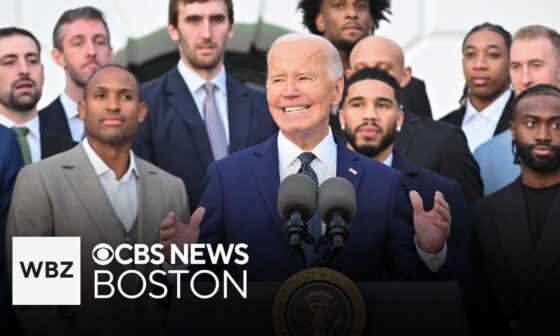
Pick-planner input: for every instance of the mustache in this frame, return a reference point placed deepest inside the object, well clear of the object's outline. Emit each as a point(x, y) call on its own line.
point(25, 78)
point(368, 123)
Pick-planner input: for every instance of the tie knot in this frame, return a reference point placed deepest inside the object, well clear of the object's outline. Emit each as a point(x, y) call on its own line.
point(21, 131)
point(306, 158)
point(209, 87)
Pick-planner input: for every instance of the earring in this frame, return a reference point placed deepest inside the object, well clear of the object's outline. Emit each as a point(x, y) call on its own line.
point(398, 128)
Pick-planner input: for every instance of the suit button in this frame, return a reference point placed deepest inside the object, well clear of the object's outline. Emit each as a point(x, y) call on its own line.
point(514, 324)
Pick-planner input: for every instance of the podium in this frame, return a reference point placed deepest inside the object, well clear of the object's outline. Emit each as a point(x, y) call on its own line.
point(392, 308)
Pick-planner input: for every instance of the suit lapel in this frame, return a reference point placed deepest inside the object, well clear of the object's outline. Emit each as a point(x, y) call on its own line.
point(403, 139)
point(408, 169)
point(84, 181)
point(348, 164)
point(180, 98)
point(266, 171)
point(239, 113)
point(546, 255)
point(53, 120)
point(503, 123)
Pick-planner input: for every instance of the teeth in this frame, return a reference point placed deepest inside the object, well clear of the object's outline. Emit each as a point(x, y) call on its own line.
point(296, 108)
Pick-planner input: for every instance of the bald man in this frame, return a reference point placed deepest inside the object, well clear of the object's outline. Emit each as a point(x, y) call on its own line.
point(435, 145)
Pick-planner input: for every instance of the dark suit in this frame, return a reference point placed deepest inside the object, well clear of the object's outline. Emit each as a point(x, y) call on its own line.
point(458, 265)
point(456, 117)
point(55, 132)
point(517, 285)
point(240, 197)
point(10, 163)
point(174, 136)
point(415, 98)
point(441, 148)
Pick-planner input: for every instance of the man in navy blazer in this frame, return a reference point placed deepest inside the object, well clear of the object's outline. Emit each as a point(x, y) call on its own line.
point(174, 136)
point(370, 114)
point(305, 81)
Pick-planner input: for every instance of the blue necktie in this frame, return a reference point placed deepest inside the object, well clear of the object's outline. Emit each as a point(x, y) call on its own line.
point(314, 223)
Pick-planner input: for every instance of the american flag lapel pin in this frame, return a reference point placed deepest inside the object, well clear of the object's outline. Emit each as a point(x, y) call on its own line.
point(353, 171)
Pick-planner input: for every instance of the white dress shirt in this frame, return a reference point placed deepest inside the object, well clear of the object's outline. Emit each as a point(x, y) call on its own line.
point(479, 126)
point(325, 167)
point(195, 84)
point(74, 122)
point(33, 137)
point(122, 194)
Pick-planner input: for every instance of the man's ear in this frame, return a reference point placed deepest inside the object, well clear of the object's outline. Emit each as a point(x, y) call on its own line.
point(173, 33)
point(82, 109)
point(142, 111)
point(341, 119)
point(406, 76)
point(320, 23)
point(512, 130)
point(58, 57)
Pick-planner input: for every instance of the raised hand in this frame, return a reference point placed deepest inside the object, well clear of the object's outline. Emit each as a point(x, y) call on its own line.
point(432, 227)
point(172, 231)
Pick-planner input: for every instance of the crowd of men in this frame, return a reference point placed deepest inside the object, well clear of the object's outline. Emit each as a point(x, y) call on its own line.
point(472, 198)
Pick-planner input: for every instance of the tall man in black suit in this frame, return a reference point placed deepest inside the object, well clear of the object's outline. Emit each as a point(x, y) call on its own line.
point(516, 228)
point(21, 84)
point(370, 114)
point(345, 23)
point(198, 113)
point(82, 44)
point(437, 146)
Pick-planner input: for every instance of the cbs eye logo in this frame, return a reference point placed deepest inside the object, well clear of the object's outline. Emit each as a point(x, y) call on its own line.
point(103, 254)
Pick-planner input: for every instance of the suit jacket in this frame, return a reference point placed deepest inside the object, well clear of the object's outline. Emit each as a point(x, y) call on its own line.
point(517, 286)
point(495, 160)
point(55, 131)
point(11, 162)
point(241, 194)
point(456, 116)
point(415, 98)
point(458, 265)
point(174, 136)
point(63, 196)
point(441, 148)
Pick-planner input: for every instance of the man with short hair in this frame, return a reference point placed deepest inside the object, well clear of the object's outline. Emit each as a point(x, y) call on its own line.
point(435, 145)
point(101, 192)
point(199, 113)
point(370, 113)
point(344, 23)
point(516, 228)
point(81, 44)
point(21, 85)
point(534, 59)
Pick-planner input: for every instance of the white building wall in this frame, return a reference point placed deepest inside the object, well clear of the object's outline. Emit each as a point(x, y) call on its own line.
point(430, 31)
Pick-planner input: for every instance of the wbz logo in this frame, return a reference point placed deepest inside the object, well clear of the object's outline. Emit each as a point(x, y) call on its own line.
point(46, 270)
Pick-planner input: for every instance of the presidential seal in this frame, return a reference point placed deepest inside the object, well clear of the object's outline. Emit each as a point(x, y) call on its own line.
point(319, 301)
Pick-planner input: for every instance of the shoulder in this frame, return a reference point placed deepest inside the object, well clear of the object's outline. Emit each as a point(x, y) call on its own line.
point(454, 116)
point(156, 172)
point(56, 104)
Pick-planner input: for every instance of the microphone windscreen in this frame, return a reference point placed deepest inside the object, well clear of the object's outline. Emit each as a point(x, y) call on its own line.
point(337, 194)
point(297, 193)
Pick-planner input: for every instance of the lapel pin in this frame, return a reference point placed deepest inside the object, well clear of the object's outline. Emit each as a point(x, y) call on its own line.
point(353, 171)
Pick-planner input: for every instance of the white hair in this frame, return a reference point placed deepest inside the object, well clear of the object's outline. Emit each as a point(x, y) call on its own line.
point(334, 64)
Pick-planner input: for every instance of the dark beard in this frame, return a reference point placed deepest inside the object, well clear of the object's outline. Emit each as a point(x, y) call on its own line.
point(540, 165)
point(368, 150)
point(344, 45)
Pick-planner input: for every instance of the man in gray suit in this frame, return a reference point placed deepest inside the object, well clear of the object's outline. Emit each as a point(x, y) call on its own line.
point(101, 192)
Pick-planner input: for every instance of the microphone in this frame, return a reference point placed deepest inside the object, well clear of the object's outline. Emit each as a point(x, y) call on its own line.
point(297, 199)
point(337, 208)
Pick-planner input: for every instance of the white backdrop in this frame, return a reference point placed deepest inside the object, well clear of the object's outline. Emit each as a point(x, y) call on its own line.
point(430, 32)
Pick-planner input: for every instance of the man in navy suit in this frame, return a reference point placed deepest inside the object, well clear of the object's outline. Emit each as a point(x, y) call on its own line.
point(178, 135)
point(304, 83)
point(81, 44)
point(10, 164)
point(370, 114)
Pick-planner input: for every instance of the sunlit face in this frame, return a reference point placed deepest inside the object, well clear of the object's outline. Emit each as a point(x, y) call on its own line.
point(112, 110)
point(344, 22)
point(533, 61)
point(202, 31)
point(370, 117)
point(85, 48)
point(536, 130)
point(21, 73)
point(300, 90)
point(486, 64)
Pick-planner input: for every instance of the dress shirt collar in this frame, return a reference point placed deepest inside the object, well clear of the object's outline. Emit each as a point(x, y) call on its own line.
point(32, 125)
point(195, 82)
point(288, 152)
point(101, 168)
point(70, 106)
point(389, 160)
point(492, 112)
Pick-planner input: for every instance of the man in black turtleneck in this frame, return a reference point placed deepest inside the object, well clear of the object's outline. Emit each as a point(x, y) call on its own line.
point(517, 229)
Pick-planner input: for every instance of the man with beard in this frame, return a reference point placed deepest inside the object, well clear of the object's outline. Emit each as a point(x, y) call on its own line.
point(21, 83)
point(82, 44)
point(199, 114)
point(435, 145)
point(344, 23)
point(516, 229)
point(370, 115)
